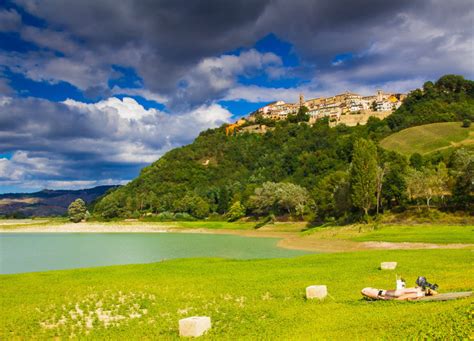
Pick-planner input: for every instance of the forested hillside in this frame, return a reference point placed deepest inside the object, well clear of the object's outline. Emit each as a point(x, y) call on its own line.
point(312, 172)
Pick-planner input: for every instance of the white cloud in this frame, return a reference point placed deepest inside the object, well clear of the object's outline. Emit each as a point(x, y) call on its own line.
point(110, 139)
point(127, 108)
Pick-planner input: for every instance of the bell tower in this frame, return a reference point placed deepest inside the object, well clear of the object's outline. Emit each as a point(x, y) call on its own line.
point(379, 95)
point(301, 100)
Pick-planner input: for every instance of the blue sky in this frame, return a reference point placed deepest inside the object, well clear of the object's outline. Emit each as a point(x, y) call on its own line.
point(93, 91)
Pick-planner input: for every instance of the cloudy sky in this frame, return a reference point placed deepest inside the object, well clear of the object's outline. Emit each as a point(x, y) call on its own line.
point(93, 90)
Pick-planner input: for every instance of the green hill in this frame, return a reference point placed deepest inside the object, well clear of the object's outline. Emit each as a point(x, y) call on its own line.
point(429, 138)
point(294, 169)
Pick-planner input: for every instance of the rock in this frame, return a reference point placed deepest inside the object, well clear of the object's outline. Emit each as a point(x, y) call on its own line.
point(388, 265)
point(194, 326)
point(316, 291)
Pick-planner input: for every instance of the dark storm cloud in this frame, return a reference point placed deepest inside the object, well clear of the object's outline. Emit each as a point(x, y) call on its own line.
point(165, 40)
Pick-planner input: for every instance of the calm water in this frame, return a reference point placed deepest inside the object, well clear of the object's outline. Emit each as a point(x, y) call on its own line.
point(27, 252)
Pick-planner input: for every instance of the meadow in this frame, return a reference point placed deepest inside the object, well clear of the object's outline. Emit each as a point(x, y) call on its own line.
point(429, 138)
point(254, 299)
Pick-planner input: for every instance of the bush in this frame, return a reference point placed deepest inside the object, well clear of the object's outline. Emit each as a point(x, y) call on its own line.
point(77, 211)
point(236, 211)
point(165, 216)
point(466, 123)
point(183, 216)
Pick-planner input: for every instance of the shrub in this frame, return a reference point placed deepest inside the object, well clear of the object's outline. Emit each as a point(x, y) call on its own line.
point(466, 123)
point(165, 216)
point(236, 211)
point(183, 216)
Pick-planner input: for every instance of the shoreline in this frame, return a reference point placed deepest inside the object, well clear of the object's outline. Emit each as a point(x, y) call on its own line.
point(288, 240)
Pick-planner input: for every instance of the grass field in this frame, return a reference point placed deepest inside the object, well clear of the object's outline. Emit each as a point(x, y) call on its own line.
point(429, 138)
point(257, 299)
point(438, 234)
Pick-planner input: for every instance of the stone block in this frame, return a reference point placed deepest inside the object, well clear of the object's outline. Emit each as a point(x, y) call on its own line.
point(316, 291)
point(194, 326)
point(388, 265)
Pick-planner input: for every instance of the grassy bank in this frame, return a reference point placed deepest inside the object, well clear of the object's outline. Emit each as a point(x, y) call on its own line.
point(438, 234)
point(258, 299)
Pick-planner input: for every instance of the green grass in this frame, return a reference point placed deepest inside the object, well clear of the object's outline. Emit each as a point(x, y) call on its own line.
point(215, 225)
point(11, 224)
point(429, 138)
point(439, 234)
point(257, 299)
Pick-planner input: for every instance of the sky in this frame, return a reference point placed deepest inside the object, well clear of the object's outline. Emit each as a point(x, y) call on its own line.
point(92, 91)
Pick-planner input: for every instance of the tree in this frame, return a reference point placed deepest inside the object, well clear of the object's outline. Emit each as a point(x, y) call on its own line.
point(302, 115)
point(379, 184)
point(77, 210)
point(192, 204)
point(278, 198)
point(394, 181)
point(463, 191)
point(428, 183)
point(236, 211)
point(416, 161)
point(462, 169)
point(415, 183)
point(364, 174)
point(373, 106)
point(110, 209)
point(332, 195)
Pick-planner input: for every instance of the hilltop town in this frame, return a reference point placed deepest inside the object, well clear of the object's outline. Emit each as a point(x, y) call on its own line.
point(348, 108)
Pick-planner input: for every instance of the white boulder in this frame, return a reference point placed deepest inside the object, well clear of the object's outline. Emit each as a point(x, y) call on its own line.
point(388, 265)
point(316, 291)
point(194, 326)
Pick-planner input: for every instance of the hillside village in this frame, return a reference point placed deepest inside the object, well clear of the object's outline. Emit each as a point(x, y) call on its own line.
point(348, 108)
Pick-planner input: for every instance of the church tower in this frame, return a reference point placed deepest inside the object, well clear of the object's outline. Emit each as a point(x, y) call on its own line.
point(379, 95)
point(301, 100)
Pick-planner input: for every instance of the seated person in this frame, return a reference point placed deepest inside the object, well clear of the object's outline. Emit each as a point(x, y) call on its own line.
point(423, 289)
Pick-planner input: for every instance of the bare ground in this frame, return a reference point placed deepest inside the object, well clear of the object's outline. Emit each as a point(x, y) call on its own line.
point(289, 240)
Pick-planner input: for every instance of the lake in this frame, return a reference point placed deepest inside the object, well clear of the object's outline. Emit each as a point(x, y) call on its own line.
point(28, 252)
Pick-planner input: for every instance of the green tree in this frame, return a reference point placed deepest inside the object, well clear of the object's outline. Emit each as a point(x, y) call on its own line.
point(109, 208)
point(278, 198)
point(416, 161)
point(463, 190)
point(302, 115)
point(364, 174)
point(428, 183)
point(462, 170)
point(236, 211)
point(332, 195)
point(77, 210)
point(192, 204)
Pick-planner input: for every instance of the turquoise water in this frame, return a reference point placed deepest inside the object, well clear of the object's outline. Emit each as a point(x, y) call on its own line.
point(27, 252)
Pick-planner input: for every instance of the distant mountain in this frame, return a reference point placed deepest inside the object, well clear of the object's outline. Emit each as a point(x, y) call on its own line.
point(46, 202)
